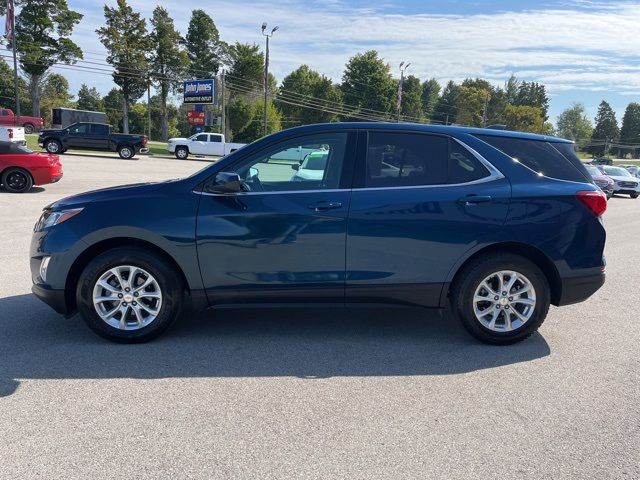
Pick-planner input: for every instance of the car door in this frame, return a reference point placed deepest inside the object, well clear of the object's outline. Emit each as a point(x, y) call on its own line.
point(215, 145)
point(99, 137)
point(199, 144)
point(420, 202)
point(283, 239)
point(79, 136)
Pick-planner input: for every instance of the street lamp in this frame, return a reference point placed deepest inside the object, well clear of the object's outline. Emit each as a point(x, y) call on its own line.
point(402, 68)
point(266, 68)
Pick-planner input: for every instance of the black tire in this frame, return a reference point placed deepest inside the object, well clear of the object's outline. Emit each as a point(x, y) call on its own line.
point(29, 128)
point(16, 180)
point(634, 195)
point(126, 152)
point(167, 279)
point(182, 153)
point(53, 146)
point(477, 271)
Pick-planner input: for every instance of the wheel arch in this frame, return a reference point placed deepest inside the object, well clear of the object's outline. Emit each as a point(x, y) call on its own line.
point(529, 252)
point(102, 246)
point(19, 167)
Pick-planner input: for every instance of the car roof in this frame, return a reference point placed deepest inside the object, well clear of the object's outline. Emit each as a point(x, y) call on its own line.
point(429, 128)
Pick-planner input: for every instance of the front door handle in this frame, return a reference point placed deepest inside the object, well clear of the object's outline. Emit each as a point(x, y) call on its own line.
point(324, 206)
point(474, 199)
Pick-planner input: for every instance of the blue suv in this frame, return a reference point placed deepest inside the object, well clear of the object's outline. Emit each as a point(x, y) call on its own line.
point(497, 225)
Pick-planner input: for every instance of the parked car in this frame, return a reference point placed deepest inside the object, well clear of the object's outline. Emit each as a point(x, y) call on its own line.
point(202, 144)
point(92, 136)
point(624, 182)
point(312, 167)
point(602, 161)
point(21, 168)
point(30, 124)
point(604, 182)
point(13, 134)
point(496, 224)
point(634, 170)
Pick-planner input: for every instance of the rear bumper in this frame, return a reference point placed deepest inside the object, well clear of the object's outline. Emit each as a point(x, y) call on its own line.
point(578, 289)
point(54, 298)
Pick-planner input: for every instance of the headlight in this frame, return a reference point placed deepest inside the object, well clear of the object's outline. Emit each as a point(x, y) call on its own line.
point(51, 218)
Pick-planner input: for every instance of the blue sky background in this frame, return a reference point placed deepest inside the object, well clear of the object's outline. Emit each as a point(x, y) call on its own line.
point(583, 50)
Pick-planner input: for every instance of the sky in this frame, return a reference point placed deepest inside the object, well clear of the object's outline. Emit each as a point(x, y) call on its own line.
point(582, 50)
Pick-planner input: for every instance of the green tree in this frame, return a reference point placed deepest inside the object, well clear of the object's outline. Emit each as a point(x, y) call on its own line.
point(534, 95)
point(430, 91)
point(630, 131)
point(168, 61)
point(247, 67)
point(125, 38)
point(7, 92)
point(89, 99)
point(470, 103)
point(205, 49)
point(412, 99)
point(573, 124)
point(43, 28)
point(511, 89)
point(298, 87)
point(445, 110)
point(112, 102)
point(55, 94)
point(525, 118)
point(367, 85)
point(606, 129)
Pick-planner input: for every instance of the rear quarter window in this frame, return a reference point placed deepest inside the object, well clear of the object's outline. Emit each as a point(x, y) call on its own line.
point(551, 159)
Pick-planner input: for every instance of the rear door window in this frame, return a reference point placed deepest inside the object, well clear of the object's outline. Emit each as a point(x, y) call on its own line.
point(464, 167)
point(100, 129)
point(554, 160)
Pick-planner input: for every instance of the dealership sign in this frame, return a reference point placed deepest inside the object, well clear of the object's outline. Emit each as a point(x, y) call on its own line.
point(195, 118)
point(199, 91)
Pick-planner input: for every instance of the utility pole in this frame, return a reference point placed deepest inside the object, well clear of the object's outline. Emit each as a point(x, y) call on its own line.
point(266, 69)
point(399, 105)
point(223, 120)
point(484, 115)
point(11, 14)
point(149, 108)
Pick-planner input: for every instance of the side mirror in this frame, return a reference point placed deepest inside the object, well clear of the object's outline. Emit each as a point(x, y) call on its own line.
point(296, 166)
point(226, 182)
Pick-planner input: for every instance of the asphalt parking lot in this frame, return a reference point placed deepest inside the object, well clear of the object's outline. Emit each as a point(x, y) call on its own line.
point(314, 394)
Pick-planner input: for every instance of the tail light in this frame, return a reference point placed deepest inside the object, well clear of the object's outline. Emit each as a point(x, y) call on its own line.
point(10, 130)
point(595, 201)
point(144, 140)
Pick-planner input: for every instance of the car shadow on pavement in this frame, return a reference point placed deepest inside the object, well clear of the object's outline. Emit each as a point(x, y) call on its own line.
point(37, 343)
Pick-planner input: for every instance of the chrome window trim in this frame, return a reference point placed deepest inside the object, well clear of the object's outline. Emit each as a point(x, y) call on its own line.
point(494, 174)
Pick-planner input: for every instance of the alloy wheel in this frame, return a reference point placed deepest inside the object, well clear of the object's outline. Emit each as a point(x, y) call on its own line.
point(127, 297)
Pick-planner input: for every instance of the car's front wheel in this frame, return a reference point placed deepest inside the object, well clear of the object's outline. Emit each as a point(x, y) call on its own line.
point(182, 153)
point(501, 298)
point(17, 180)
point(53, 146)
point(634, 195)
point(129, 295)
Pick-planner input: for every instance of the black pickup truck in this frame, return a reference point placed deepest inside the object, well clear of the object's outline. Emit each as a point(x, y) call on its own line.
point(92, 136)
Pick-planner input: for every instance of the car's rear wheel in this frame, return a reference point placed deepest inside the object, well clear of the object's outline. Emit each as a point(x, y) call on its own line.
point(53, 146)
point(29, 128)
point(182, 153)
point(126, 152)
point(501, 298)
point(129, 295)
point(17, 180)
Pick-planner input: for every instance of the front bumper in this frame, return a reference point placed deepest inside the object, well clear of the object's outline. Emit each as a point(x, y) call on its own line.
point(578, 289)
point(54, 298)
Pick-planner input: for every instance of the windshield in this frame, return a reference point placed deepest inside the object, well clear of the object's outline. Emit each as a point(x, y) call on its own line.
point(593, 171)
point(12, 147)
point(617, 172)
point(315, 161)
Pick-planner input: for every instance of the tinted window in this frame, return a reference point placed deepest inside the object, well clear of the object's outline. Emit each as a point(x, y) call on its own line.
point(405, 159)
point(202, 137)
point(463, 166)
point(100, 129)
point(540, 156)
point(215, 138)
point(12, 147)
point(280, 167)
point(80, 128)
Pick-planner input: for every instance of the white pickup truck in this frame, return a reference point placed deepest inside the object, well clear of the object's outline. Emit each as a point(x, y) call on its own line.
point(202, 144)
point(12, 134)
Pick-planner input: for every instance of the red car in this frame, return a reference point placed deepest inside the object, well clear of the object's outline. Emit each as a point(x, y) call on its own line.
point(21, 168)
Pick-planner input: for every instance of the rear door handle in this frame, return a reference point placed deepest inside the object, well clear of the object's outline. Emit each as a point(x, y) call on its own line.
point(474, 199)
point(324, 206)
